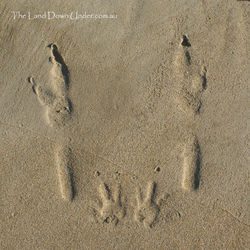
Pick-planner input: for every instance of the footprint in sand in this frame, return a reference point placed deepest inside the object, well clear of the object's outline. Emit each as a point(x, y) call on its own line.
point(58, 112)
point(55, 99)
point(191, 80)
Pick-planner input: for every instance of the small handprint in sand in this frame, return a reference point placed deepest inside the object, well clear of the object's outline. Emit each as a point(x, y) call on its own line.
point(111, 210)
point(147, 209)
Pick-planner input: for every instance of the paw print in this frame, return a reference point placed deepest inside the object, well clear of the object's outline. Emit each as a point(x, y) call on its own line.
point(147, 209)
point(111, 210)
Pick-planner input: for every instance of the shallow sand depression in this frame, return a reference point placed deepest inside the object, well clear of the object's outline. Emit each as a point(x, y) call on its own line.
point(125, 128)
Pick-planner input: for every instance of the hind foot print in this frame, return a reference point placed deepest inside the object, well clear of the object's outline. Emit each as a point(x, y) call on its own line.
point(191, 81)
point(111, 210)
point(55, 98)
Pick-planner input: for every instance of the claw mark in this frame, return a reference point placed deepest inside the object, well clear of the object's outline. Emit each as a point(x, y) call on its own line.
point(64, 172)
point(147, 209)
point(112, 210)
point(191, 165)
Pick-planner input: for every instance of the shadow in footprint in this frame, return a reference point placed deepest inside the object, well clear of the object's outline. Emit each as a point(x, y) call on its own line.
point(185, 42)
point(197, 169)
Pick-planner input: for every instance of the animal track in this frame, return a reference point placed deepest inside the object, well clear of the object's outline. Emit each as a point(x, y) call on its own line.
point(58, 112)
point(191, 81)
point(64, 172)
point(147, 209)
point(112, 210)
point(58, 105)
point(191, 165)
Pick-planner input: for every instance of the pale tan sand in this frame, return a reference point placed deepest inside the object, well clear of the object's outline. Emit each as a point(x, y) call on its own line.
point(126, 133)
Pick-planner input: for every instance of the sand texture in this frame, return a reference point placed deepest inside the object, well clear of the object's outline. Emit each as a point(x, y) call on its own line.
point(127, 132)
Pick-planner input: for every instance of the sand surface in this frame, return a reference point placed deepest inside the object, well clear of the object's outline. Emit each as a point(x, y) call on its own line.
point(127, 132)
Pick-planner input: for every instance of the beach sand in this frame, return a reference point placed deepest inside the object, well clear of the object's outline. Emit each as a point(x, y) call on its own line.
point(126, 132)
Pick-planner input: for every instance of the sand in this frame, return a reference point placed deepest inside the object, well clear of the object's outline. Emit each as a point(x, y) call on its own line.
point(124, 131)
